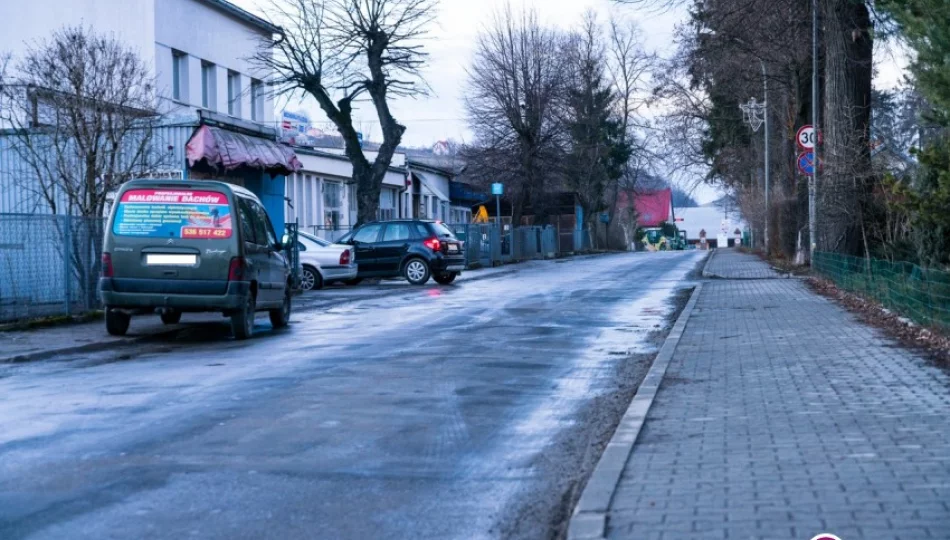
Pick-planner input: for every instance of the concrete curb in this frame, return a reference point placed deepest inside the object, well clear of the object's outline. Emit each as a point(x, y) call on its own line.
point(589, 519)
point(709, 259)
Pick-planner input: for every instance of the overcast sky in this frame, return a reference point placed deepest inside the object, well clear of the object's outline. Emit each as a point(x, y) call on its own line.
point(441, 116)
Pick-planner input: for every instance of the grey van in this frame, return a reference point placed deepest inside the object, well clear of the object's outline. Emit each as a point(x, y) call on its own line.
point(190, 246)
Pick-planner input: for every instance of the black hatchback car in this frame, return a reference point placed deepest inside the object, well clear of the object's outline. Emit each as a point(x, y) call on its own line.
point(413, 249)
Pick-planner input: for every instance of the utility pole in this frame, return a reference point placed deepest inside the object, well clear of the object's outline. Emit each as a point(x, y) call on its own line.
point(813, 179)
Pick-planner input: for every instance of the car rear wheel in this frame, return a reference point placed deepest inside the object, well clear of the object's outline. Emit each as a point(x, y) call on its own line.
point(117, 322)
point(242, 320)
point(310, 280)
point(171, 317)
point(280, 318)
point(445, 278)
point(416, 272)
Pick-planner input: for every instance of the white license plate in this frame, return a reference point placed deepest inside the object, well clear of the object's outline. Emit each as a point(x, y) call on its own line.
point(453, 248)
point(165, 259)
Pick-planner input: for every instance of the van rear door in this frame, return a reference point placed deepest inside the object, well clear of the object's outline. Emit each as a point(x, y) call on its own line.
point(167, 234)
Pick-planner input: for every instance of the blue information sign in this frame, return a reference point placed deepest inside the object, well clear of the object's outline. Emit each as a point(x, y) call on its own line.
point(497, 189)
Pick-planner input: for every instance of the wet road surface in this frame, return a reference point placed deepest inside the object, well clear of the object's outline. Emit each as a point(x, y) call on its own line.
point(468, 411)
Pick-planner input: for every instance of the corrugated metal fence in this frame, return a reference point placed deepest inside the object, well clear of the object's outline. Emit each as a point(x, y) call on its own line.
point(49, 265)
point(486, 245)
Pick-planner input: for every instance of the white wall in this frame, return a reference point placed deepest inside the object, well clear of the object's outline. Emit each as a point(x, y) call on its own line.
point(152, 28)
point(207, 33)
point(26, 21)
point(333, 170)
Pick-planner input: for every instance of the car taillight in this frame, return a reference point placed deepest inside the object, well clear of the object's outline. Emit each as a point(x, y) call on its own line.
point(345, 257)
point(237, 271)
point(107, 269)
point(433, 244)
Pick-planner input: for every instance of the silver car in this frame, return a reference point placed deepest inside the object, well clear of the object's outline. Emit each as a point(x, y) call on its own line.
point(324, 262)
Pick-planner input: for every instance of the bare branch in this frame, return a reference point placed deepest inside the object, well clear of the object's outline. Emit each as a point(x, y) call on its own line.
point(338, 50)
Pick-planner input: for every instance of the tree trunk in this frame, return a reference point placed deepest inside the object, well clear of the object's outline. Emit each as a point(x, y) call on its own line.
point(845, 181)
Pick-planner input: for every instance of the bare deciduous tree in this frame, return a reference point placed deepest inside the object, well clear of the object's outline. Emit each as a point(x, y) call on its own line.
point(337, 51)
point(515, 90)
point(80, 111)
point(631, 69)
point(79, 114)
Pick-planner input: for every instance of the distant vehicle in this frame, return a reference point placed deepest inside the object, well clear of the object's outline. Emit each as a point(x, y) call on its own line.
point(183, 246)
point(413, 249)
point(323, 262)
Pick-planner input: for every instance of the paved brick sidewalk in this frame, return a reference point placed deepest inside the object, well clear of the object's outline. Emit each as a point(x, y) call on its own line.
point(731, 264)
point(781, 416)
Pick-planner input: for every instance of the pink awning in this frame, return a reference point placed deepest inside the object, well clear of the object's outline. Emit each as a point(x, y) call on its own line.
point(230, 150)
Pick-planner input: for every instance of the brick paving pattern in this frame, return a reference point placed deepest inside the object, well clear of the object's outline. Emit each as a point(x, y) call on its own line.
point(781, 416)
point(731, 264)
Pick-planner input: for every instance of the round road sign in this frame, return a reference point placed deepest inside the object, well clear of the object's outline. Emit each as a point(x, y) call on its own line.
point(806, 137)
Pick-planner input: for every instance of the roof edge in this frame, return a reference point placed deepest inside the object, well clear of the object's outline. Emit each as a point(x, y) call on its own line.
point(317, 153)
point(243, 15)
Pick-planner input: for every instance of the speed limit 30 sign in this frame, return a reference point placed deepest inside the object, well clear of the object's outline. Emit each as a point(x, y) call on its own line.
point(806, 137)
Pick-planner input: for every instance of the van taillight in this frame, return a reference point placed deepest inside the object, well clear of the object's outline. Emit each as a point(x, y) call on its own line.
point(107, 269)
point(345, 257)
point(238, 269)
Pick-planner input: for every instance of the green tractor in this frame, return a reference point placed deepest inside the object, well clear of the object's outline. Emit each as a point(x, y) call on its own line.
point(665, 238)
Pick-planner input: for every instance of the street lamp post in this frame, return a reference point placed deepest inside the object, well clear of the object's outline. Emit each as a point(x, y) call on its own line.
point(755, 114)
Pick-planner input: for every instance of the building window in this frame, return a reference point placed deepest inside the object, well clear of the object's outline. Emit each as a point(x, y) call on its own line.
point(257, 100)
point(179, 75)
point(332, 205)
point(387, 205)
point(435, 208)
point(234, 93)
point(208, 85)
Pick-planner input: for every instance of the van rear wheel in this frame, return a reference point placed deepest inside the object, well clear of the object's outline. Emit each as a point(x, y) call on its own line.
point(171, 317)
point(280, 318)
point(117, 322)
point(242, 320)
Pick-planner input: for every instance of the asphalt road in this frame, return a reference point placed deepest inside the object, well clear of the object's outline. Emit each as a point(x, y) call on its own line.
point(470, 411)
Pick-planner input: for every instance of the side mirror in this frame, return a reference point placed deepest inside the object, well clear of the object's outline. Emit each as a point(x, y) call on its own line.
point(278, 247)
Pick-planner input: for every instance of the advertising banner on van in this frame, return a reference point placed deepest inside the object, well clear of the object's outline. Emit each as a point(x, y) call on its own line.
point(158, 213)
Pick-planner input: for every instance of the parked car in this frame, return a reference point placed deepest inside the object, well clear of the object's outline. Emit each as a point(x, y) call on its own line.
point(413, 249)
point(177, 247)
point(323, 262)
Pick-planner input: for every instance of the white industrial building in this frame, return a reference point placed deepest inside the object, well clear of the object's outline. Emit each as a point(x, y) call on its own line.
point(718, 223)
point(321, 196)
point(197, 50)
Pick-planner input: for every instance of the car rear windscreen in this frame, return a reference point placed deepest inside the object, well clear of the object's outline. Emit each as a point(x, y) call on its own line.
point(442, 231)
point(172, 213)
